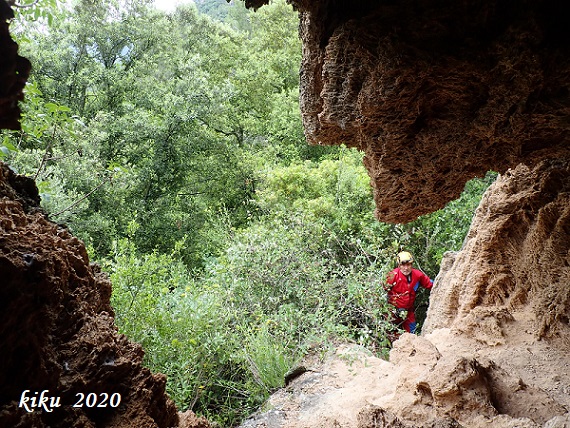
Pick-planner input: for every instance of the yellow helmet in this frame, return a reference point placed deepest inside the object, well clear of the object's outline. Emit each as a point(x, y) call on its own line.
point(405, 257)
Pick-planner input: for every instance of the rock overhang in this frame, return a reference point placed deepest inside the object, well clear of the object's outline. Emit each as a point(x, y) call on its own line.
point(435, 92)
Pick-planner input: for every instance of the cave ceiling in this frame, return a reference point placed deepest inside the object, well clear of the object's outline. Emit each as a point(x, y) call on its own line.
point(435, 92)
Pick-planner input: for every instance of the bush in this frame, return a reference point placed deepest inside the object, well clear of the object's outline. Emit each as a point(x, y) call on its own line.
point(226, 340)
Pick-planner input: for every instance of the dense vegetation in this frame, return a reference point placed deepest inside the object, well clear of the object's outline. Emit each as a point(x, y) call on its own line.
point(172, 145)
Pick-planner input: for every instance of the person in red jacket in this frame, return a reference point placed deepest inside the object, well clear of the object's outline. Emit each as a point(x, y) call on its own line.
point(402, 284)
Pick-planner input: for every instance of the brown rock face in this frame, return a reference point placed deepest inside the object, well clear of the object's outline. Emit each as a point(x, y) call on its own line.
point(58, 331)
point(442, 380)
point(436, 93)
point(14, 71)
point(516, 257)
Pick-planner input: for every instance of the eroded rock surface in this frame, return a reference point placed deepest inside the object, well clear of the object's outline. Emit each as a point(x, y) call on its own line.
point(516, 257)
point(443, 380)
point(436, 93)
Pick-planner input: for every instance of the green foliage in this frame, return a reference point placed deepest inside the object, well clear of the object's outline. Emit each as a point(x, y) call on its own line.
point(6, 148)
point(227, 339)
point(214, 8)
point(29, 11)
point(335, 189)
point(179, 158)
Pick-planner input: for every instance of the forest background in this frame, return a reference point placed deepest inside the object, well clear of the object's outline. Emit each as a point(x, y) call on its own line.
point(172, 144)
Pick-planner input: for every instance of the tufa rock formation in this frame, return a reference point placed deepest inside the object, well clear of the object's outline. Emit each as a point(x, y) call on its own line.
point(57, 329)
point(441, 380)
point(495, 351)
point(435, 92)
point(516, 257)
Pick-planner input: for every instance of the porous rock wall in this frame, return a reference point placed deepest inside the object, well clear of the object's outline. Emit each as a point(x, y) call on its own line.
point(516, 255)
point(435, 92)
point(57, 331)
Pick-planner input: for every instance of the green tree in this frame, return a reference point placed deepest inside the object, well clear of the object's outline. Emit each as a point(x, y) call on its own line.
point(164, 106)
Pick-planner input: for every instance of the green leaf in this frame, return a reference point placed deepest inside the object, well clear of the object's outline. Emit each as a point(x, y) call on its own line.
point(53, 107)
point(6, 143)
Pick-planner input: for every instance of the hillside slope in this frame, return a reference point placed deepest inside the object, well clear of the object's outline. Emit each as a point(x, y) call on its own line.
point(454, 88)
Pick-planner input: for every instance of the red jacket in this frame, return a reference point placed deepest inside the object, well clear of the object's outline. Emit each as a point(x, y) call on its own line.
point(401, 292)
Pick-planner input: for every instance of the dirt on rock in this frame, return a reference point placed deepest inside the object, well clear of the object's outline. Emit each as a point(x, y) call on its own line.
point(441, 380)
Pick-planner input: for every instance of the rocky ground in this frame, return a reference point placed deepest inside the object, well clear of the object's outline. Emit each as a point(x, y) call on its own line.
point(440, 380)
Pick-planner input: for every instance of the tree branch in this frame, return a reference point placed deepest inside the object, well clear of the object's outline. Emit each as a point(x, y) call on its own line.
point(84, 197)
